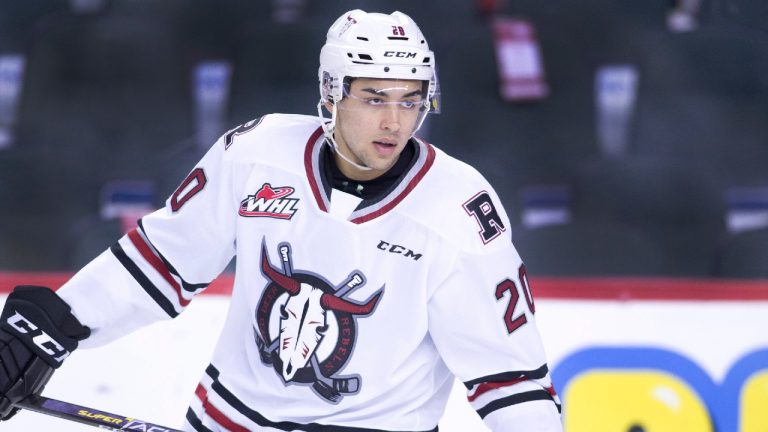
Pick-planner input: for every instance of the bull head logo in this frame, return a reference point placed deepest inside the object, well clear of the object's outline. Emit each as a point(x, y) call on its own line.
point(303, 323)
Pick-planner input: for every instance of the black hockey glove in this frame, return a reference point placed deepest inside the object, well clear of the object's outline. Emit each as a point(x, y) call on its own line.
point(37, 332)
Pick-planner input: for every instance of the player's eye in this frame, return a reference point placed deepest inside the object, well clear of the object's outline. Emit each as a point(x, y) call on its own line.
point(374, 101)
point(409, 104)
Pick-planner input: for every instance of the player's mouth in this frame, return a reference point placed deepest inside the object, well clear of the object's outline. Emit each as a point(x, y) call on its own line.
point(385, 147)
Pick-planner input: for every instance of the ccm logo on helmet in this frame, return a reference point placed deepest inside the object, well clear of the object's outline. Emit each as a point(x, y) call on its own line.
point(39, 337)
point(400, 54)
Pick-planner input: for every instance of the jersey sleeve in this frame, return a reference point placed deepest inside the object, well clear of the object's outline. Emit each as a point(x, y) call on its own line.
point(482, 320)
point(153, 271)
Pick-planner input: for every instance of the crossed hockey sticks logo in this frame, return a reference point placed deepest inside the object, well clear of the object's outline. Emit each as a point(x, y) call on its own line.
point(303, 323)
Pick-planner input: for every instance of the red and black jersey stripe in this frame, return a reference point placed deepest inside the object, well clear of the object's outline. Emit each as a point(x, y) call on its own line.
point(171, 292)
point(143, 280)
point(515, 399)
point(253, 415)
point(483, 385)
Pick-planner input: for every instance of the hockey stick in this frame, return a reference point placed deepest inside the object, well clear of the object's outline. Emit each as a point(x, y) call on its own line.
point(89, 416)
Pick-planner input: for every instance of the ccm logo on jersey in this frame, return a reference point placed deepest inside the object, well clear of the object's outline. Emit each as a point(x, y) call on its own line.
point(481, 208)
point(397, 249)
point(39, 337)
point(270, 202)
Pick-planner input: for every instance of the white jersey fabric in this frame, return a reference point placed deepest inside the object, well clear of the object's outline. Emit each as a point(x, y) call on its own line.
point(346, 315)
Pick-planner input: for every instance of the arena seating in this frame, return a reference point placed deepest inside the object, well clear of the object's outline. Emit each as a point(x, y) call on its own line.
point(108, 96)
point(743, 255)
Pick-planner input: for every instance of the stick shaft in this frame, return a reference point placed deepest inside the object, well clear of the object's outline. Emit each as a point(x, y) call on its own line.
point(89, 416)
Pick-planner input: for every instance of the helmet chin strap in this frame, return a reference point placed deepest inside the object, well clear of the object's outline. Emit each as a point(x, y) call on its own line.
point(328, 129)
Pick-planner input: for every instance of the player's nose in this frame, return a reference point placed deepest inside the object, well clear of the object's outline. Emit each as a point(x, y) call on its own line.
point(391, 118)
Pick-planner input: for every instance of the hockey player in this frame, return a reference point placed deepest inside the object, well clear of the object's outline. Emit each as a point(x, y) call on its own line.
point(372, 268)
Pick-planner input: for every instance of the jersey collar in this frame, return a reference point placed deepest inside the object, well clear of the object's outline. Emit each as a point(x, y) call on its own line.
point(371, 208)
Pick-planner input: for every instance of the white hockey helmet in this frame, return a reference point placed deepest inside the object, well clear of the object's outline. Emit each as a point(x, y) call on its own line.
point(374, 45)
point(360, 44)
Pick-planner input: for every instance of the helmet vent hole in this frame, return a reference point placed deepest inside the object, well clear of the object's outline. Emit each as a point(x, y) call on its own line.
point(386, 68)
point(362, 38)
point(413, 70)
point(365, 57)
point(350, 55)
point(399, 38)
point(426, 60)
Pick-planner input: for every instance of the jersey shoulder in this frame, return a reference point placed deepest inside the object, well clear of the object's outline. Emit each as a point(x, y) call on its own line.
point(270, 138)
point(457, 202)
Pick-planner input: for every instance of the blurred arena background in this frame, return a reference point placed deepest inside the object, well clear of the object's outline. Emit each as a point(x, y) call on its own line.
point(627, 139)
point(624, 137)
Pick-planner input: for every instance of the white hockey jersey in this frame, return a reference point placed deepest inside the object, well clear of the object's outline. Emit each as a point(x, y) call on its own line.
point(346, 315)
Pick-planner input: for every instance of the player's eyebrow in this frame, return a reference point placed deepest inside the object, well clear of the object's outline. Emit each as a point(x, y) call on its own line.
point(379, 92)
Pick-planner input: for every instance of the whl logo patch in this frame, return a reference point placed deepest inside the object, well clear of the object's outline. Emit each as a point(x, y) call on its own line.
point(270, 202)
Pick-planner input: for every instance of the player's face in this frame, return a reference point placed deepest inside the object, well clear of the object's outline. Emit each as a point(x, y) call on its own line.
point(374, 122)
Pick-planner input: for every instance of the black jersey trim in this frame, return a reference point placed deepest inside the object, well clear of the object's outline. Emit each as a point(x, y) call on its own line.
point(320, 184)
point(405, 167)
point(190, 287)
point(373, 190)
point(260, 420)
point(515, 399)
point(195, 422)
point(539, 373)
point(143, 280)
point(405, 184)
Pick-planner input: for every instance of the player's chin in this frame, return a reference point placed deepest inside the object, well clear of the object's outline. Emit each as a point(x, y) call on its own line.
point(382, 164)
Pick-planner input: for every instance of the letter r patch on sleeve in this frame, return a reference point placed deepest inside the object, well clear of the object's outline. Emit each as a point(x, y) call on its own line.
point(481, 208)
